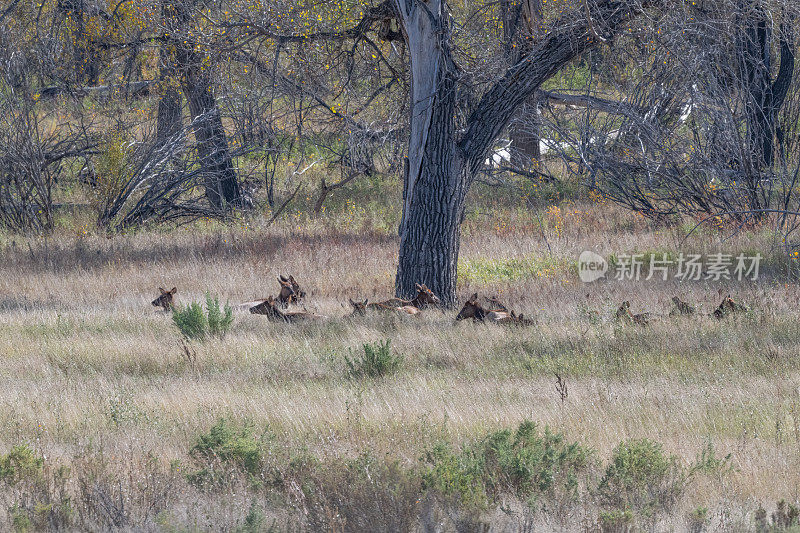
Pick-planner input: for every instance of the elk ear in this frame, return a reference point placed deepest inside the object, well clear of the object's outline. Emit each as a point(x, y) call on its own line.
point(473, 297)
point(282, 281)
point(174, 290)
point(291, 278)
point(282, 278)
point(366, 300)
point(352, 302)
point(161, 290)
point(418, 286)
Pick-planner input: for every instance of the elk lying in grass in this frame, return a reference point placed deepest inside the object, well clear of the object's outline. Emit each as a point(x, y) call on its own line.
point(624, 315)
point(166, 299)
point(360, 308)
point(291, 293)
point(728, 307)
point(423, 299)
point(681, 308)
point(271, 310)
point(474, 310)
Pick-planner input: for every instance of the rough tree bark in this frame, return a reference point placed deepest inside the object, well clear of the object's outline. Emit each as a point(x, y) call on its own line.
point(522, 27)
point(434, 179)
point(763, 96)
point(221, 184)
point(443, 163)
point(170, 117)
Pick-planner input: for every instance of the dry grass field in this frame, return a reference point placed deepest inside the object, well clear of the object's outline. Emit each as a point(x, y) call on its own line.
point(97, 384)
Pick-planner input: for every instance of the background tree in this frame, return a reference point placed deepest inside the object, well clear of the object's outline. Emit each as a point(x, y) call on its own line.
point(444, 156)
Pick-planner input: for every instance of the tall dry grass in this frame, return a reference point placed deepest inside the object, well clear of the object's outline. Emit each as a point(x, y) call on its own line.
point(93, 375)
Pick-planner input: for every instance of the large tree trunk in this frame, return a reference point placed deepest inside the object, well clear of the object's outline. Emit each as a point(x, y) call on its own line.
point(219, 176)
point(221, 184)
point(763, 97)
point(170, 116)
point(522, 28)
point(433, 185)
point(440, 167)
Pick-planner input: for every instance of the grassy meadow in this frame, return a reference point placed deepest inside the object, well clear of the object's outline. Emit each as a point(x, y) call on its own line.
point(110, 421)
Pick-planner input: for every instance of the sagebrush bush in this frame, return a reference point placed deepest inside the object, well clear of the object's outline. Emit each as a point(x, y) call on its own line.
point(254, 521)
point(196, 323)
point(20, 463)
point(219, 320)
point(377, 360)
point(643, 479)
point(226, 444)
point(528, 463)
point(38, 493)
point(615, 521)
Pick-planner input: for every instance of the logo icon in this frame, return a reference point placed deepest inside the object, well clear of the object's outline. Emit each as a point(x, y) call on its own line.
point(591, 266)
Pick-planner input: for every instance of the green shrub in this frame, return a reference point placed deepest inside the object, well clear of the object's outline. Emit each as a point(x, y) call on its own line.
point(708, 463)
point(527, 463)
point(195, 323)
point(455, 475)
point(19, 464)
point(219, 320)
point(229, 445)
point(254, 521)
point(40, 497)
point(376, 361)
point(616, 521)
point(642, 478)
point(697, 519)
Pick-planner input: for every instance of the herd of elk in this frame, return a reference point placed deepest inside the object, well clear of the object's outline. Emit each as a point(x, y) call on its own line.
point(494, 312)
point(679, 308)
point(424, 298)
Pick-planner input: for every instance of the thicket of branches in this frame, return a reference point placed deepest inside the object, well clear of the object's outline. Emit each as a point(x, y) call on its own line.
point(172, 110)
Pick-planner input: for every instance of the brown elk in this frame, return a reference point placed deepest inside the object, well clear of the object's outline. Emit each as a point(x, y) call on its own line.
point(271, 310)
point(728, 307)
point(681, 308)
point(624, 314)
point(423, 299)
point(166, 299)
point(474, 310)
point(360, 308)
point(291, 293)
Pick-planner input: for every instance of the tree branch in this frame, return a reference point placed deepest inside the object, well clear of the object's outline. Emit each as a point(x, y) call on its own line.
point(570, 37)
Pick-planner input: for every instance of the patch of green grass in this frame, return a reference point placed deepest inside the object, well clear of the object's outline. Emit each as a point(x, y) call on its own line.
point(229, 445)
point(486, 270)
